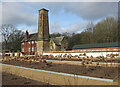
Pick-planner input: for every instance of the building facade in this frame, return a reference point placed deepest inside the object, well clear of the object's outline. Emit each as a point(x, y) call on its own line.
point(58, 44)
point(41, 42)
point(29, 44)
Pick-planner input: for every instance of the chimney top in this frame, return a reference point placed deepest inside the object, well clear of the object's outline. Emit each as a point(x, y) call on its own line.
point(43, 9)
point(26, 36)
point(26, 30)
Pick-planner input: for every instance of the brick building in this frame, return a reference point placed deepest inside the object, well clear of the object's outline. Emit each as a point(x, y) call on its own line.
point(29, 43)
point(41, 42)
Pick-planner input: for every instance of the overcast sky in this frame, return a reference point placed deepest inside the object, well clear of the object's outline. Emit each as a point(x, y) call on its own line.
point(63, 16)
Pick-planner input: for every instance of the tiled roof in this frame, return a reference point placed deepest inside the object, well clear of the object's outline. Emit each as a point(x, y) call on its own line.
point(34, 36)
point(31, 37)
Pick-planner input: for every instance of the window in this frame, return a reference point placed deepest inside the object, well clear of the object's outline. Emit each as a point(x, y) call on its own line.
point(28, 49)
point(51, 43)
point(32, 48)
point(29, 42)
point(22, 49)
point(35, 49)
point(51, 47)
point(23, 43)
point(32, 42)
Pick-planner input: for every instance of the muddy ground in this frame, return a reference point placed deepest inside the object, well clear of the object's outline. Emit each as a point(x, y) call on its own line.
point(94, 71)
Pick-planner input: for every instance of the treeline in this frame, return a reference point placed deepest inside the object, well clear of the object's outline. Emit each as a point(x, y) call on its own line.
point(102, 32)
point(11, 37)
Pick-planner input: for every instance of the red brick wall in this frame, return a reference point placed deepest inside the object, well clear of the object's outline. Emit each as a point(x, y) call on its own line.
point(26, 46)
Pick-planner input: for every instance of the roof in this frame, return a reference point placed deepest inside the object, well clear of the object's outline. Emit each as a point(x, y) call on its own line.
point(33, 36)
point(58, 40)
point(99, 45)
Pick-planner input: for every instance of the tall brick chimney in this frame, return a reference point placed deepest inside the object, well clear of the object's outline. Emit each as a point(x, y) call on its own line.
point(26, 35)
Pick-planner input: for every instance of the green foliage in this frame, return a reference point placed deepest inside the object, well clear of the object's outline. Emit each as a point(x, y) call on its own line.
point(107, 30)
point(74, 40)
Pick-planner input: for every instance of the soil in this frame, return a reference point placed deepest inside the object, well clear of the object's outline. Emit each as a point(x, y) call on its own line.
point(10, 79)
point(94, 71)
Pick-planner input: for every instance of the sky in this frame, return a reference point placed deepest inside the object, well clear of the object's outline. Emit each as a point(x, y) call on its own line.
point(72, 17)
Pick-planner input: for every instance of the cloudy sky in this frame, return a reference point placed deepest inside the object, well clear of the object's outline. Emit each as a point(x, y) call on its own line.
point(63, 16)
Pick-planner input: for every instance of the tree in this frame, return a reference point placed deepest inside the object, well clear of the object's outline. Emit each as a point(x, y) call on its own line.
point(55, 35)
point(87, 36)
point(104, 31)
point(90, 27)
point(75, 39)
point(11, 37)
point(6, 31)
point(107, 30)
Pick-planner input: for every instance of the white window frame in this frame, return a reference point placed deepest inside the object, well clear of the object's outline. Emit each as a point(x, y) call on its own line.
point(23, 43)
point(35, 49)
point(51, 47)
point(32, 49)
point(32, 42)
point(22, 49)
point(29, 49)
point(29, 42)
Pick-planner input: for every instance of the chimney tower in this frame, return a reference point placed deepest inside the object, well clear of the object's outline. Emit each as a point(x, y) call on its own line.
point(43, 32)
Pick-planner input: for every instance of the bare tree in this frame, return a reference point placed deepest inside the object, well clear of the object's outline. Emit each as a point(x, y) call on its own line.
point(107, 30)
point(11, 37)
point(6, 31)
point(90, 27)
